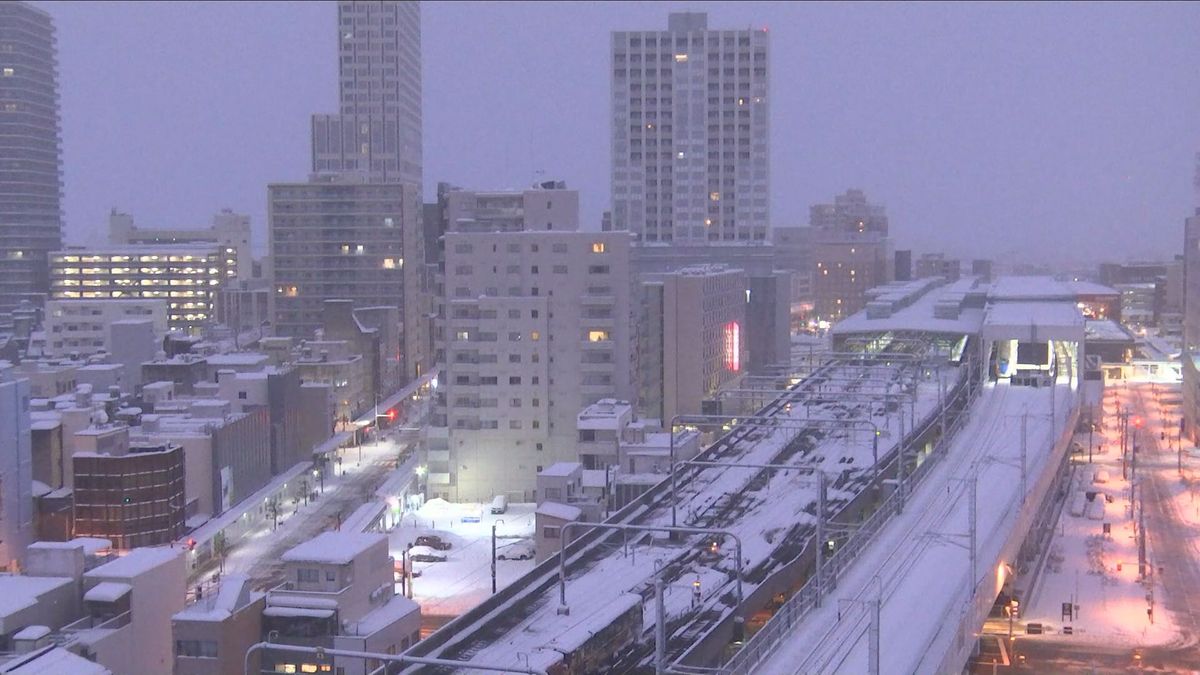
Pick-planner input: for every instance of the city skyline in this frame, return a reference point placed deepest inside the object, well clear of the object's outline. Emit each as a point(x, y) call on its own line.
point(1099, 135)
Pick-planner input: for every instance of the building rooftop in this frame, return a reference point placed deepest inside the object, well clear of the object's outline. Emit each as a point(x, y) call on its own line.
point(560, 511)
point(52, 661)
point(138, 561)
point(561, 469)
point(333, 548)
point(19, 592)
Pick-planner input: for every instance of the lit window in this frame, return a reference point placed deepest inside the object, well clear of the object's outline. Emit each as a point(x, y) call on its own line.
point(8, 72)
point(597, 336)
point(597, 247)
point(463, 336)
point(535, 336)
point(681, 58)
point(714, 196)
point(389, 222)
point(389, 263)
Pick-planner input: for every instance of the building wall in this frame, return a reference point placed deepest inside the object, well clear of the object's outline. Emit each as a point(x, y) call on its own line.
point(552, 208)
point(82, 326)
point(1191, 326)
point(519, 307)
point(233, 637)
point(107, 505)
point(30, 187)
point(845, 267)
point(16, 469)
point(145, 645)
point(377, 130)
point(185, 276)
point(768, 325)
point(241, 458)
point(339, 239)
point(690, 132)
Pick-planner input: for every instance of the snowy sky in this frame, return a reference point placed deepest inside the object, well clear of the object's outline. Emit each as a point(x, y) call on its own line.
point(983, 127)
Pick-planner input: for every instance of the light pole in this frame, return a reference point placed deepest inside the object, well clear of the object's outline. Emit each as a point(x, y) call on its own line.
point(494, 524)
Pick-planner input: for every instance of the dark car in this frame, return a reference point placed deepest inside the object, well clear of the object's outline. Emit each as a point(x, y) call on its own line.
point(432, 541)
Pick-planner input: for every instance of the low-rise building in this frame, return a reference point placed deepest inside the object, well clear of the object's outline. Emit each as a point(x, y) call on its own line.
point(81, 327)
point(339, 593)
point(213, 634)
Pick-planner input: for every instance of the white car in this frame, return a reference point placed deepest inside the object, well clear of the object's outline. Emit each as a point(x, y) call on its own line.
point(522, 550)
point(425, 554)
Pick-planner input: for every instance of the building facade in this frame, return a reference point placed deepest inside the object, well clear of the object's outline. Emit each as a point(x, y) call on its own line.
point(693, 339)
point(690, 133)
point(229, 231)
point(16, 469)
point(186, 276)
point(377, 130)
point(1190, 355)
point(30, 153)
point(339, 238)
point(851, 254)
point(79, 326)
point(545, 206)
point(535, 326)
point(132, 495)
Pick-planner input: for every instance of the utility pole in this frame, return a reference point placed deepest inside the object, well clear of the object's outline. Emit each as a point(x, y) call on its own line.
point(660, 628)
point(874, 630)
point(820, 562)
point(1024, 450)
point(973, 515)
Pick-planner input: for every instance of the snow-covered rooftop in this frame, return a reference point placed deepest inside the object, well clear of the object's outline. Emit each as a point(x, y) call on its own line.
point(220, 605)
point(107, 591)
point(334, 548)
point(19, 592)
point(1033, 321)
point(53, 661)
point(560, 511)
point(380, 618)
point(914, 308)
point(561, 469)
point(1107, 330)
point(136, 562)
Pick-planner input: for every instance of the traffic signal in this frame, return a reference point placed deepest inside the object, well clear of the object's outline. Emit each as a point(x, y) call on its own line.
point(391, 415)
point(191, 544)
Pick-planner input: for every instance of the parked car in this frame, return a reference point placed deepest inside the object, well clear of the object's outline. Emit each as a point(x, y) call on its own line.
point(522, 550)
point(499, 504)
point(432, 541)
point(425, 554)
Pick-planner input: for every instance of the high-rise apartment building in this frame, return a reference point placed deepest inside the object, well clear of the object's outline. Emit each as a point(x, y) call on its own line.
point(1191, 321)
point(347, 233)
point(535, 326)
point(30, 153)
point(338, 237)
point(851, 254)
point(544, 206)
point(186, 276)
point(690, 133)
point(377, 131)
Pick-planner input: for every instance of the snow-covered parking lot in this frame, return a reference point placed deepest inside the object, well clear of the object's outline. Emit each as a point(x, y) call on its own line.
point(465, 579)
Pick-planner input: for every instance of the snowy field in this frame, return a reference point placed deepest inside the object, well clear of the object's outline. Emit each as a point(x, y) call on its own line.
point(464, 580)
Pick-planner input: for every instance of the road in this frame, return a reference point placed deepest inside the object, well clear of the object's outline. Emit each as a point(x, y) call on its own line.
point(1172, 540)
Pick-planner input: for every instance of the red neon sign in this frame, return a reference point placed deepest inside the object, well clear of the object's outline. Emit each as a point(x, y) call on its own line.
point(733, 347)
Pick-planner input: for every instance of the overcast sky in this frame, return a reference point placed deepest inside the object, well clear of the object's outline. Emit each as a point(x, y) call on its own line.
point(1057, 131)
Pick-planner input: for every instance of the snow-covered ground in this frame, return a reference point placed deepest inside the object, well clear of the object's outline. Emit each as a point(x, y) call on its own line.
point(918, 565)
point(465, 579)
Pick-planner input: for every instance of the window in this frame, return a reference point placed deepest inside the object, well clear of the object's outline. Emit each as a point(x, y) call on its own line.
point(537, 424)
point(308, 575)
point(514, 379)
point(598, 336)
point(535, 336)
point(551, 532)
point(514, 358)
point(537, 402)
point(241, 395)
point(514, 403)
point(597, 247)
point(330, 575)
point(8, 72)
point(205, 649)
point(597, 269)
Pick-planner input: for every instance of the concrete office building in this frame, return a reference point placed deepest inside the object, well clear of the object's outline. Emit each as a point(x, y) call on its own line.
point(16, 467)
point(690, 133)
point(851, 254)
point(213, 634)
point(229, 231)
point(377, 131)
point(938, 265)
point(186, 276)
point(693, 338)
point(536, 325)
point(793, 252)
point(82, 327)
point(30, 153)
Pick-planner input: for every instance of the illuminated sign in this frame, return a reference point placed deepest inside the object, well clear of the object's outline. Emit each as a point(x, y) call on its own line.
point(733, 347)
